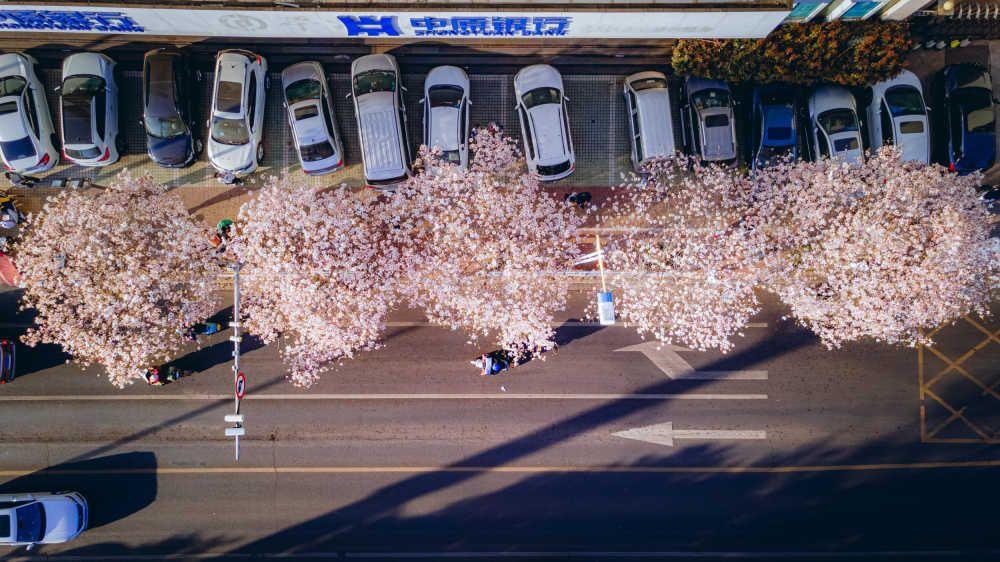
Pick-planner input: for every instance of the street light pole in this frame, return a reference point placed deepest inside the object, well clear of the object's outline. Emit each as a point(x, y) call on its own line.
point(238, 378)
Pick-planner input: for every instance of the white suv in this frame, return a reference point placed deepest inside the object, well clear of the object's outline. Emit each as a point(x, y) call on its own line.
point(541, 109)
point(381, 115)
point(236, 125)
point(88, 99)
point(27, 137)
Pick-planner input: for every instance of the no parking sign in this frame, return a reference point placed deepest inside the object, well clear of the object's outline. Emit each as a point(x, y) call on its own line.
point(241, 383)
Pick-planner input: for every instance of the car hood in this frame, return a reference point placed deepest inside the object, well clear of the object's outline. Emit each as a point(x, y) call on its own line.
point(85, 63)
point(230, 157)
point(549, 132)
point(300, 71)
point(447, 75)
point(171, 152)
point(14, 64)
point(378, 61)
point(718, 141)
point(537, 76)
point(444, 128)
point(980, 149)
point(62, 522)
point(694, 84)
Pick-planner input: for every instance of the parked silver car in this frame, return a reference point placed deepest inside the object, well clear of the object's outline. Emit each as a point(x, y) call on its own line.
point(707, 120)
point(310, 115)
point(381, 114)
point(446, 113)
point(27, 137)
point(834, 131)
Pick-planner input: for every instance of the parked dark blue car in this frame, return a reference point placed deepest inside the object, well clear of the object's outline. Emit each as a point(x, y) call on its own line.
point(167, 115)
point(970, 117)
point(773, 125)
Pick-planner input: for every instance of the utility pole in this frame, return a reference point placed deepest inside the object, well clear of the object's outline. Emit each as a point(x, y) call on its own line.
point(238, 378)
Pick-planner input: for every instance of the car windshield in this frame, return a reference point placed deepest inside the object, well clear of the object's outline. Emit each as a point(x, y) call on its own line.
point(553, 170)
point(9, 107)
point(77, 125)
point(316, 152)
point(30, 522)
point(904, 100)
point(11, 85)
point(374, 81)
point(165, 128)
point(538, 96)
point(647, 83)
point(710, 98)
point(445, 96)
point(17, 149)
point(4, 526)
point(230, 131)
point(837, 121)
point(302, 90)
point(88, 86)
point(230, 97)
point(83, 154)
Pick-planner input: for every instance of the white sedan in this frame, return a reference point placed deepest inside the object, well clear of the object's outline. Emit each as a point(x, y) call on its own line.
point(88, 100)
point(27, 137)
point(541, 109)
point(236, 125)
point(897, 115)
point(833, 123)
point(310, 116)
point(446, 113)
point(41, 518)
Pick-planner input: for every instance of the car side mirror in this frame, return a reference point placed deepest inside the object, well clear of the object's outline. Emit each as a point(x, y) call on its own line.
point(57, 88)
point(348, 95)
point(421, 100)
point(208, 123)
point(402, 87)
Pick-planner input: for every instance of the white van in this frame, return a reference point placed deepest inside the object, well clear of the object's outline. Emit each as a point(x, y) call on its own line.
point(647, 99)
point(381, 114)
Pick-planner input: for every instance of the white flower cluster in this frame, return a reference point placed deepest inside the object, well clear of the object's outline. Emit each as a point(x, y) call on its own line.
point(116, 278)
point(881, 250)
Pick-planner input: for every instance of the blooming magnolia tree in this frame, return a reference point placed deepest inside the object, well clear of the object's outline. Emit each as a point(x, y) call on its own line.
point(116, 278)
point(879, 250)
point(684, 268)
point(318, 266)
point(486, 245)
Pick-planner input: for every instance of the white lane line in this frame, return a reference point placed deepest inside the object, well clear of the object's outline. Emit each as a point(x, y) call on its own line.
point(318, 396)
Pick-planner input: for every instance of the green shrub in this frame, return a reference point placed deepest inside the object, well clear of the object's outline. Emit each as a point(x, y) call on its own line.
point(849, 53)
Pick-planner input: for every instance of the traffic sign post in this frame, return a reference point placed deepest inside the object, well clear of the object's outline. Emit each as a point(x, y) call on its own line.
point(240, 380)
point(605, 302)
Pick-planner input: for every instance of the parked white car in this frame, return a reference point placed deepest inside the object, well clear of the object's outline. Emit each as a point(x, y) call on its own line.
point(88, 101)
point(707, 120)
point(897, 115)
point(446, 113)
point(833, 125)
point(381, 113)
point(541, 109)
point(236, 123)
point(41, 518)
point(647, 101)
point(310, 115)
point(27, 137)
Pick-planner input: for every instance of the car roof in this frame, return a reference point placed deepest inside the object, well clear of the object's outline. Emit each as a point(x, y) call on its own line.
point(653, 105)
point(380, 136)
point(547, 126)
point(12, 126)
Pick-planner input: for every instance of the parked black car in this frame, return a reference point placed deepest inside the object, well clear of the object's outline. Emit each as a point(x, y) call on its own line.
point(168, 112)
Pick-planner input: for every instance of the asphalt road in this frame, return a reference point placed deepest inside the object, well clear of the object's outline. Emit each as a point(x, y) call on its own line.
point(406, 451)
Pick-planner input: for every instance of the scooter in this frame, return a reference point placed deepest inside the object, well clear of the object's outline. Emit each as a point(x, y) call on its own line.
point(202, 330)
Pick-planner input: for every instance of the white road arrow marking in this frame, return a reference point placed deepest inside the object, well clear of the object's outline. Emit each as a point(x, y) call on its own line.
point(666, 359)
point(664, 434)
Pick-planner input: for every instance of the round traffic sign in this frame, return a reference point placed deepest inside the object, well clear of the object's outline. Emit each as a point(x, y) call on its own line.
point(241, 383)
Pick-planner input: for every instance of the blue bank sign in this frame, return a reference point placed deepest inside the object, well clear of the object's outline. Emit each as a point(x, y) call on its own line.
point(402, 24)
